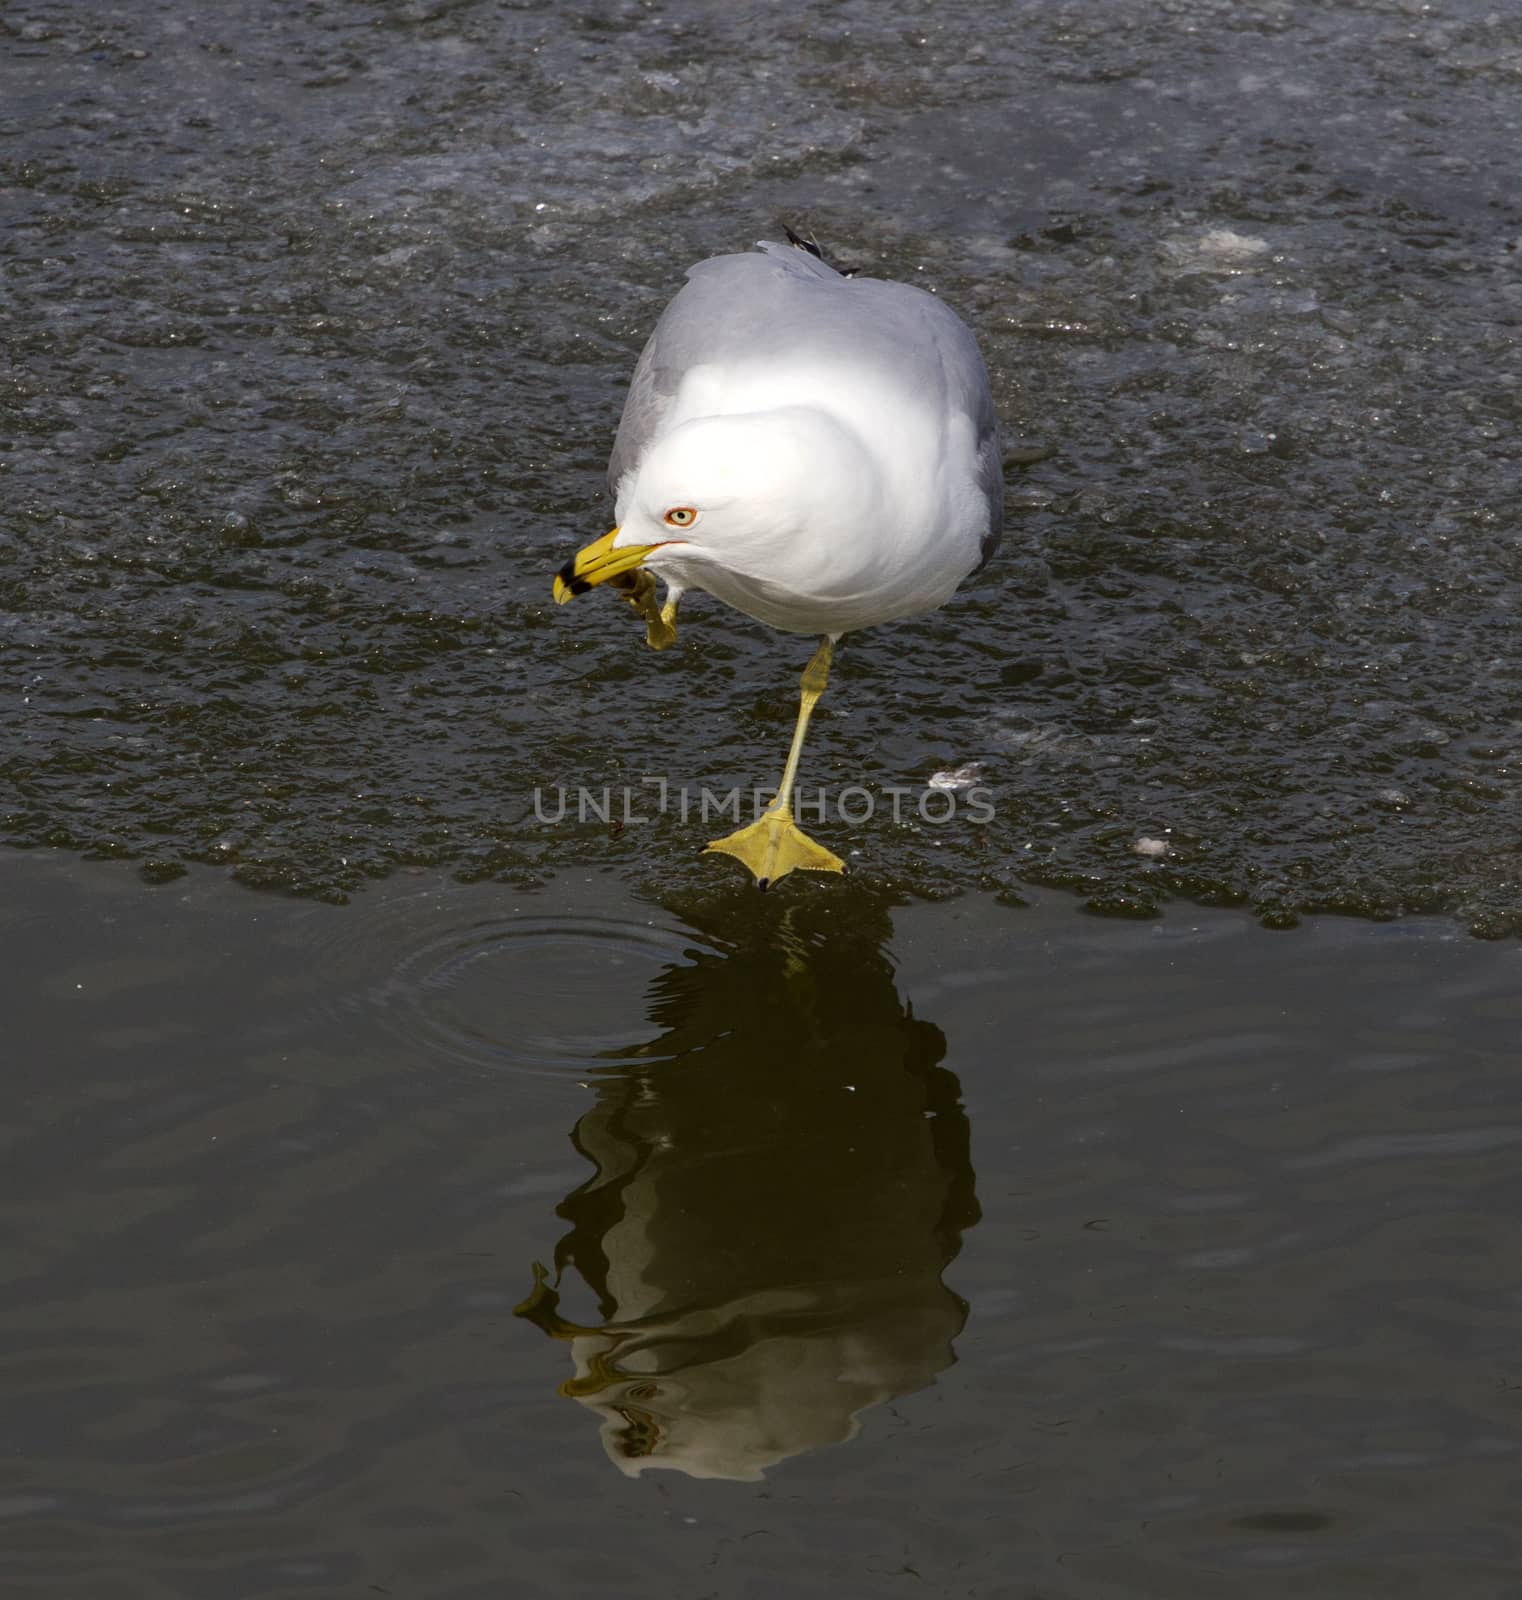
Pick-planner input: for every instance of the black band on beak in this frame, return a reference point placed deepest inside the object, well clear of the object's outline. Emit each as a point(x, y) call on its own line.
point(567, 576)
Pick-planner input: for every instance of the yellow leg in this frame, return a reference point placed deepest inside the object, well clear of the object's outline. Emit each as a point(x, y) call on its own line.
point(774, 845)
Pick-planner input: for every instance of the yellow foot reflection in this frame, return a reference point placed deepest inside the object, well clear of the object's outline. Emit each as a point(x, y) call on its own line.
point(774, 846)
point(542, 1308)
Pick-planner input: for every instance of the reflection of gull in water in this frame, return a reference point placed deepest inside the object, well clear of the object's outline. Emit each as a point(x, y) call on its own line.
point(780, 1182)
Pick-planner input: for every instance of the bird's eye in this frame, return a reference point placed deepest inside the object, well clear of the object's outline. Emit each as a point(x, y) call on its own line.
point(681, 516)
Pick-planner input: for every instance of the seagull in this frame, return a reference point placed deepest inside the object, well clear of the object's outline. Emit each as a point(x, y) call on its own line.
point(817, 450)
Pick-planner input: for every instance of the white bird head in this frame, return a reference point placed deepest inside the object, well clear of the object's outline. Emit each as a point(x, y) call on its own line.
point(736, 492)
point(740, 489)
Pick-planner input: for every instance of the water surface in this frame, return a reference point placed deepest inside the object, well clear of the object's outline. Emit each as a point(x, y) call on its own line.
point(464, 1241)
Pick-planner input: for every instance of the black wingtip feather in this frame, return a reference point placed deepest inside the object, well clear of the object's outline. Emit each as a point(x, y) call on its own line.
point(812, 246)
point(798, 242)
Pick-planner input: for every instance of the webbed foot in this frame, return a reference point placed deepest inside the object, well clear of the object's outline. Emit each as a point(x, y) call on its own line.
point(773, 846)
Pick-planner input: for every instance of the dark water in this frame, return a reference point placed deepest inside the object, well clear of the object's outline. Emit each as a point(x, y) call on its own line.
point(939, 1250)
point(316, 324)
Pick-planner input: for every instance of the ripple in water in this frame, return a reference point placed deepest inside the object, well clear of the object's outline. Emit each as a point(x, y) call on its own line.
point(557, 996)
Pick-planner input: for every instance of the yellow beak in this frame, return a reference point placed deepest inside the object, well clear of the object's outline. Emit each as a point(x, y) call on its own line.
point(598, 562)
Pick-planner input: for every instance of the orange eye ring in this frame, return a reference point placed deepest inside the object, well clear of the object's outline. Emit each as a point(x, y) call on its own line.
point(680, 517)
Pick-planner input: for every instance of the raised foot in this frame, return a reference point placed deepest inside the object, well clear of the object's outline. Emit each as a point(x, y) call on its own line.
point(773, 846)
point(638, 588)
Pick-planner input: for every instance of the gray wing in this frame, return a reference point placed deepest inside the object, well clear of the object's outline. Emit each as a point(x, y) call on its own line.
point(727, 301)
point(963, 379)
point(651, 391)
point(779, 300)
point(966, 381)
point(990, 476)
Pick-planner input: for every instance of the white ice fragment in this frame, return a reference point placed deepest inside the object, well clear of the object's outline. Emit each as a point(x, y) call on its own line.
point(954, 778)
point(1231, 246)
point(1152, 849)
point(1216, 250)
